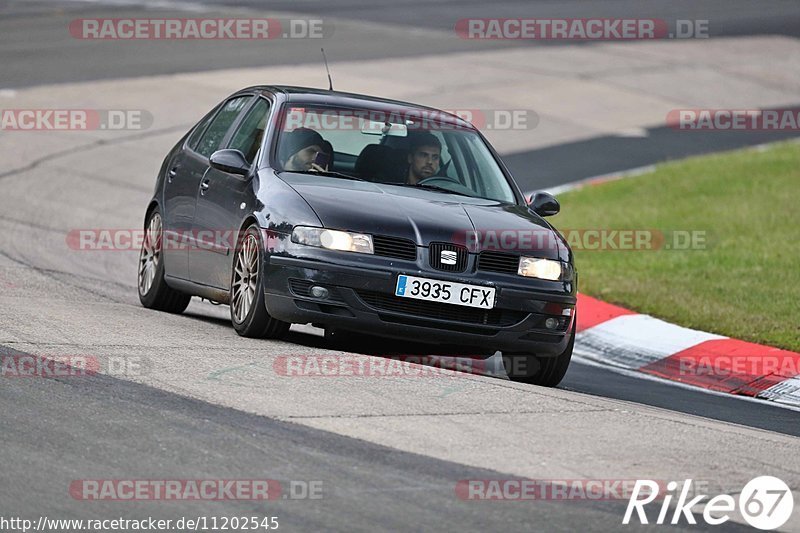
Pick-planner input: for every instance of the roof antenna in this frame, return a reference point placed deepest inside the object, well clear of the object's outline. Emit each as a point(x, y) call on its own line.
point(330, 82)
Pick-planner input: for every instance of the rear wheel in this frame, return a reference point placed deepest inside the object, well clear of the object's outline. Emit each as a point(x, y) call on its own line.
point(544, 371)
point(248, 311)
point(154, 293)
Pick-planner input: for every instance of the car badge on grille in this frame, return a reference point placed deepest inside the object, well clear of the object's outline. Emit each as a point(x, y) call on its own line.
point(449, 257)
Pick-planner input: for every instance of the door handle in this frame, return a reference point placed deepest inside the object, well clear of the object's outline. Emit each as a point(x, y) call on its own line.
point(173, 172)
point(203, 186)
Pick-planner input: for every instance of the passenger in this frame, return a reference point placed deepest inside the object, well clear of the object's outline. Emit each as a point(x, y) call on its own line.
point(299, 148)
point(424, 157)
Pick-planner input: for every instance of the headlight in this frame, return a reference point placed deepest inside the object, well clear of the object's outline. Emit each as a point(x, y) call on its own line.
point(533, 267)
point(333, 239)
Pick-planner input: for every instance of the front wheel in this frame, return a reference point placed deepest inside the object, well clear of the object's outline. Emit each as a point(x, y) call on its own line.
point(154, 293)
point(544, 371)
point(248, 311)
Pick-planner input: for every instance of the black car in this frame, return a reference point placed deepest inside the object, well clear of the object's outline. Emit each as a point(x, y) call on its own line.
point(359, 214)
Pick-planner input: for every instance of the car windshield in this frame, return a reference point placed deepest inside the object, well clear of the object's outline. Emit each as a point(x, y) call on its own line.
point(425, 149)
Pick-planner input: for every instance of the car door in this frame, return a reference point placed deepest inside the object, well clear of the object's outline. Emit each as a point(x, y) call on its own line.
point(180, 189)
point(223, 200)
point(184, 173)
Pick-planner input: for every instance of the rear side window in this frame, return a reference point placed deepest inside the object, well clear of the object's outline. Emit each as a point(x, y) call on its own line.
point(215, 133)
point(200, 128)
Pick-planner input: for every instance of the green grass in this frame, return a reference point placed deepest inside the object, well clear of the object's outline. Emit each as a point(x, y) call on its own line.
point(745, 283)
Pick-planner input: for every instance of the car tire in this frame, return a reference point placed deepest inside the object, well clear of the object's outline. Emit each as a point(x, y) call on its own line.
point(544, 371)
point(248, 312)
point(154, 293)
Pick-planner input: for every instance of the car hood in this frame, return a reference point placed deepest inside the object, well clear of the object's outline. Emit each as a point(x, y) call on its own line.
point(425, 216)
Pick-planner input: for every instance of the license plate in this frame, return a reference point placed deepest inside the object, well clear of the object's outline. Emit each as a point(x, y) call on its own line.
point(445, 291)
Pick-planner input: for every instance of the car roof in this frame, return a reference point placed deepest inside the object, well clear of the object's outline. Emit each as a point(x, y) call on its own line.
point(311, 95)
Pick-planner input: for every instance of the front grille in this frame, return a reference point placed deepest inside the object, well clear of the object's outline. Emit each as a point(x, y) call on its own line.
point(394, 247)
point(440, 311)
point(498, 262)
point(448, 257)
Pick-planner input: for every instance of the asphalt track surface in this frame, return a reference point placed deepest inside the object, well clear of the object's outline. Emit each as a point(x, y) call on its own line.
point(55, 431)
point(32, 32)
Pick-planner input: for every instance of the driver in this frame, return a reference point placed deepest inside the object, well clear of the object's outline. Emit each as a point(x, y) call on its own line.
point(424, 157)
point(299, 148)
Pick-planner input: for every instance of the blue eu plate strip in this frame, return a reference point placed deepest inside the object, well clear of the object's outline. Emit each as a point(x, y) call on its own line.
point(401, 286)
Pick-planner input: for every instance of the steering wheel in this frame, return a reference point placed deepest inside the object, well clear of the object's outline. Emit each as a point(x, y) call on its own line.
point(432, 179)
point(447, 183)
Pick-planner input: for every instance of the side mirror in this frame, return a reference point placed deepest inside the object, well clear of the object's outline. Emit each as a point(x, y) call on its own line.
point(230, 161)
point(544, 204)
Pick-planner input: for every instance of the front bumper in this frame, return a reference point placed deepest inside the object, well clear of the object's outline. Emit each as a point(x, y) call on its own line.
point(361, 298)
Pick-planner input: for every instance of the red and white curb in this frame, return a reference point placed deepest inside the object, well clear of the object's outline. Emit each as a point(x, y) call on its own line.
point(616, 337)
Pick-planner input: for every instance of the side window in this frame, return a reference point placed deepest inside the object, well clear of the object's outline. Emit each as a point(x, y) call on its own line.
point(200, 128)
point(211, 139)
point(461, 167)
point(247, 138)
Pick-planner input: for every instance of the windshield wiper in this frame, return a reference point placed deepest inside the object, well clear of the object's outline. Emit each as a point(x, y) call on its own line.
point(331, 173)
point(431, 188)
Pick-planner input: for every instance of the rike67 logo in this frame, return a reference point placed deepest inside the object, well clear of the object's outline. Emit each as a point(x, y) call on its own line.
point(765, 503)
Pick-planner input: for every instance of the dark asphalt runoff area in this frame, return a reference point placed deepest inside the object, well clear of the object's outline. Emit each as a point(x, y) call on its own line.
point(34, 32)
point(66, 430)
